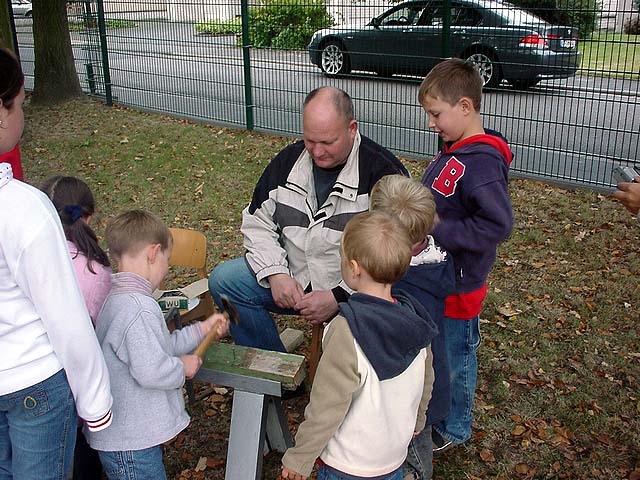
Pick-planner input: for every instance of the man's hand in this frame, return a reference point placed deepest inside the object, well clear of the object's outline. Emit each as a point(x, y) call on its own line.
point(285, 290)
point(286, 473)
point(318, 306)
point(629, 195)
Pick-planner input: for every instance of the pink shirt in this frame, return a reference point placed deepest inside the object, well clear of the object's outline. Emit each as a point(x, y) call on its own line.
point(94, 286)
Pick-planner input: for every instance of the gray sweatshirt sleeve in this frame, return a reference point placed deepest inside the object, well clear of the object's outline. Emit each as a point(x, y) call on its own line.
point(186, 340)
point(146, 350)
point(335, 382)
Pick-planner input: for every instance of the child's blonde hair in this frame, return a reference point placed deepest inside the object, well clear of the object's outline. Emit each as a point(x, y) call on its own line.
point(450, 81)
point(380, 245)
point(408, 201)
point(132, 231)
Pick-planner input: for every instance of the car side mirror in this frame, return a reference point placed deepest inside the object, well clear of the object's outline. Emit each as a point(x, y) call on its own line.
point(375, 22)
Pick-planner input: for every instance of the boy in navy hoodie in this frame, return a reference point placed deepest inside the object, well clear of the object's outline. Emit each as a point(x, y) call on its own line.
point(430, 279)
point(469, 182)
point(374, 379)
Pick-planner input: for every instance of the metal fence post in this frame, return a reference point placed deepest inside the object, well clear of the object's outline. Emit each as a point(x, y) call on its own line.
point(446, 28)
point(102, 31)
point(12, 26)
point(246, 61)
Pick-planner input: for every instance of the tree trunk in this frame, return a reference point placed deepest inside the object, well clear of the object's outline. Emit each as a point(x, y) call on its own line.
point(6, 35)
point(55, 77)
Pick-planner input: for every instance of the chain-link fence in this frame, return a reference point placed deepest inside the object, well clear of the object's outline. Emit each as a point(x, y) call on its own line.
point(561, 76)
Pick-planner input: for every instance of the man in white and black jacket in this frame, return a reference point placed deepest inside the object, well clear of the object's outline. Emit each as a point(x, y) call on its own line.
point(293, 225)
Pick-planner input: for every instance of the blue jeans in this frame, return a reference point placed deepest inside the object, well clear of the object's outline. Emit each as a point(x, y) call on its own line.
point(420, 454)
point(462, 340)
point(325, 472)
point(38, 431)
point(134, 464)
point(253, 302)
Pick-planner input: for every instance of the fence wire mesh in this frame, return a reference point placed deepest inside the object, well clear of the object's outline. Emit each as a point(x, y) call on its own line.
point(561, 77)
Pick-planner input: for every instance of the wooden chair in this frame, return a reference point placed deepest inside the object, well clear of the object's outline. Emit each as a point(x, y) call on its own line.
point(190, 251)
point(316, 345)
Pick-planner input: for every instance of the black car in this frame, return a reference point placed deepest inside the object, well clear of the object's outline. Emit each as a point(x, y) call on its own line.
point(503, 41)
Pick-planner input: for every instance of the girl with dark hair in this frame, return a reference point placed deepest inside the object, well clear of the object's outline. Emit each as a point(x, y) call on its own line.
point(51, 362)
point(75, 204)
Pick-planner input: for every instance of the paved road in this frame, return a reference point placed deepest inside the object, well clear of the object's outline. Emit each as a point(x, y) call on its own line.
point(574, 129)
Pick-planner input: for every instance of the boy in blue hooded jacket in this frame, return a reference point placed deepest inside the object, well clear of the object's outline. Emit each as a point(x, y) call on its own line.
point(429, 279)
point(470, 185)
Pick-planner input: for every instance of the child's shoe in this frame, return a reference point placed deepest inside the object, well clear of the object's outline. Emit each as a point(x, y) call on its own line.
point(440, 444)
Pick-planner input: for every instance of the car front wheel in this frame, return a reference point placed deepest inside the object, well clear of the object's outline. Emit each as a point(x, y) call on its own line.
point(334, 60)
point(487, 67)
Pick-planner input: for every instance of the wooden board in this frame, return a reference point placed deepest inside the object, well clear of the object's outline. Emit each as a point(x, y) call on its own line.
point(286, 368)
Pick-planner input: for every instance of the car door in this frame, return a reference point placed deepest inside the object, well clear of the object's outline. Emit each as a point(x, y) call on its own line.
point(392, 38)
point(464, 31)
point(467, 29)
point(424, 49)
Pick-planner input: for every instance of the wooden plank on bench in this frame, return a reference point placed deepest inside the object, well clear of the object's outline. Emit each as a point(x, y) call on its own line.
point(286, 368)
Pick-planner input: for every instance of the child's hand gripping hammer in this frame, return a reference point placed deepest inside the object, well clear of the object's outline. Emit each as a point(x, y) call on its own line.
point(231, 314)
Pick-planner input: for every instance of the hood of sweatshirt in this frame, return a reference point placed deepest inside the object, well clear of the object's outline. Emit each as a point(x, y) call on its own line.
point(390, 334)
point(490, 137)
point(431, 271)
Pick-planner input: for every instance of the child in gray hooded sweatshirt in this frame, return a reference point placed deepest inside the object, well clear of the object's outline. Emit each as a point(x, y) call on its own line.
point(147, 364)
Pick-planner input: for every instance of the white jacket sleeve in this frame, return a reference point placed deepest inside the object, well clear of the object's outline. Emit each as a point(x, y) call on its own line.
point(265, 254)
point(45, 273)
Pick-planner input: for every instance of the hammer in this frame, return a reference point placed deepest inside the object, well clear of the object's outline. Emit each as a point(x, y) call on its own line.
point(230, 314)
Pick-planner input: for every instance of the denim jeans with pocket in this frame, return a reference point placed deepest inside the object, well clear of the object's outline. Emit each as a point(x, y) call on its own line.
point(462, 341)
point(134, 464)
point(38, 431)
point(253, 302)
point(325, 472)
point(420, 454)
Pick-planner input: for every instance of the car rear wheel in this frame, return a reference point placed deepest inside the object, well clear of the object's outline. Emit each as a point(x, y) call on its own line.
point(334, 60)
point(524, 84)
point(486, 65)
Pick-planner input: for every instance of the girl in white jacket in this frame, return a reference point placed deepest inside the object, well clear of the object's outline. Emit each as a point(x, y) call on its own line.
point(51, 361)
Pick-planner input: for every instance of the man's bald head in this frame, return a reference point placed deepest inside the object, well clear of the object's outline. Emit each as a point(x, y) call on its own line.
point(337, 97)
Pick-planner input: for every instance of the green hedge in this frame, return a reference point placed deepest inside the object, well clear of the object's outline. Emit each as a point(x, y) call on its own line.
point(582, 14)
point(287, 24)
point(220, 27)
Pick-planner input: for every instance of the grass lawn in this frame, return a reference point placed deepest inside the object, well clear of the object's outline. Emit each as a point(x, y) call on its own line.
point(611, 54)
point(558, 394)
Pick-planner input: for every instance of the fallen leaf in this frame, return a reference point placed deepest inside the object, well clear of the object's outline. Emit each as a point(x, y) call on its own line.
point(214, 462)
point(487, 455)
point(508, 311)
point(202, 464)
point(519, 430)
